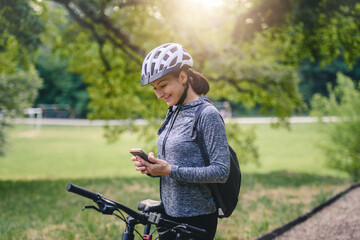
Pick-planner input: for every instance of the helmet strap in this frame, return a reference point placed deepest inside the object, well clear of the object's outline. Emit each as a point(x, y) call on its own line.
point(184, 95)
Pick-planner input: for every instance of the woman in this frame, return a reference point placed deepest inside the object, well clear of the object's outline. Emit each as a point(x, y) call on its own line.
point(184, 177)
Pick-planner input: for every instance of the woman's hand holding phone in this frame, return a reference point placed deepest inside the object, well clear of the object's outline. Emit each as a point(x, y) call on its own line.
point(148, 164)
point(139, 152)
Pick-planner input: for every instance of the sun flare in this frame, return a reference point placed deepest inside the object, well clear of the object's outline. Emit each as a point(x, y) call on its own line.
point(210, 3)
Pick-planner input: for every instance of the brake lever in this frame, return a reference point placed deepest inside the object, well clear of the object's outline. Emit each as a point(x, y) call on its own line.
point(105, 206)
point(104, 209)
point(91, 207)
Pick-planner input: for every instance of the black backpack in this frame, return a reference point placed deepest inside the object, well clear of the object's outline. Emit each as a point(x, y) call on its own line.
point(226, 194)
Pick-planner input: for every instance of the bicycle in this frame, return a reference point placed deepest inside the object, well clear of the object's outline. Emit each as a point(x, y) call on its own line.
point(151, 213)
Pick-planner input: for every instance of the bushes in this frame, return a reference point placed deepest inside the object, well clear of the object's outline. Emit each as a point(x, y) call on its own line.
point(342, 148)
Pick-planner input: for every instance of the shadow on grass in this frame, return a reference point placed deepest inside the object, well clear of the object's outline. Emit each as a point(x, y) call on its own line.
point(117, 186)
point(43, 209)
point(29, 208)
point(44, 197)
point(54, 189)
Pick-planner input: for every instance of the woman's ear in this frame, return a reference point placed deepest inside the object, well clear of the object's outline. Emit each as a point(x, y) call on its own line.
point(183, 77)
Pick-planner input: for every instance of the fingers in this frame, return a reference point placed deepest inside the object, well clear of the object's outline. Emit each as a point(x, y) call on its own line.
point(140, 164)
point(141, 169)
point(138, 160)
point(152, 158)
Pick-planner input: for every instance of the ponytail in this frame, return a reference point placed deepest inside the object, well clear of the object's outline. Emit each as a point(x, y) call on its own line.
point(198, 82)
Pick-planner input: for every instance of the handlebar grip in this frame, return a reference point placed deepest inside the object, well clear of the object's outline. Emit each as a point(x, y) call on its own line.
point(197, 230)
point(83, 192)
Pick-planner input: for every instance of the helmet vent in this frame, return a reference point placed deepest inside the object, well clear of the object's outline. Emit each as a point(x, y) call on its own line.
point(145, 66)
point(156, 55)
point(173, 62)
point(166, 45)
point(166, 57)
point(161, 67)
point(173, 49)
point(152, 68)
point(185, 57)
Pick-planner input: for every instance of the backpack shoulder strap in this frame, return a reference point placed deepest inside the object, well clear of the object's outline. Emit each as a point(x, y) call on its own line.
point(193, 132)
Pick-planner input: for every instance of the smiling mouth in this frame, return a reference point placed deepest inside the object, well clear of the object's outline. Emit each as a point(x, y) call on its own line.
point(167, 98)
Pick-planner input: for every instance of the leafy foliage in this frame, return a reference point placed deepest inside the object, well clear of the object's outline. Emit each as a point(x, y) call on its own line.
point(19, 81)
point(315, 78)
point(60, 86)
point(18, 87)
point(105, 42)
point(18, 19)
point(257, 79)
point(250, 51)
point(243, 142)
point(316, 29)
point(342, 149)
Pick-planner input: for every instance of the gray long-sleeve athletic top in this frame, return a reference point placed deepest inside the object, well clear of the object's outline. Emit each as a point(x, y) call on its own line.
point(186, 192)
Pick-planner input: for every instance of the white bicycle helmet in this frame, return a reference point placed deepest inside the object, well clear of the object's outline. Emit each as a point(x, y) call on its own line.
point(162, 60)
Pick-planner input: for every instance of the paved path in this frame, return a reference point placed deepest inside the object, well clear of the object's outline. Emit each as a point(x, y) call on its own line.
point(336, 219)
point(339, 221)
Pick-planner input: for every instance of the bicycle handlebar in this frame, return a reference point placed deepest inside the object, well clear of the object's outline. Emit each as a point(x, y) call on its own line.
point(83, 192)
point(96, 197)
point(143, 218)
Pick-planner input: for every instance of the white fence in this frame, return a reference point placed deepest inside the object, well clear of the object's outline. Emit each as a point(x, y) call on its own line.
point(36, 118)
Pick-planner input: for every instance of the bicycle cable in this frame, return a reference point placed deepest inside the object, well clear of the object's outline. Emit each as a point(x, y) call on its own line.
point(169, 230)
point(154, 232)
point(122, 217)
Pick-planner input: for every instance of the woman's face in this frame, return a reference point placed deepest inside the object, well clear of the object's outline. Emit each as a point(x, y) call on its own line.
point(170, 88)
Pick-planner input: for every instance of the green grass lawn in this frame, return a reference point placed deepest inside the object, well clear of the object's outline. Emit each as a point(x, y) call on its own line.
point(40, 163)
point(294, 150)
point(61, 152)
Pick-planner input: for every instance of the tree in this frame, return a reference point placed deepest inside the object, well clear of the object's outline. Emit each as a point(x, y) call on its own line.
point(321, 30)
point(250, 50)
point(19, 81)
point(110, 25)
point(60, 86)
point(315, 77)
point(343, 136)
point(105, 42)
point(18, 19)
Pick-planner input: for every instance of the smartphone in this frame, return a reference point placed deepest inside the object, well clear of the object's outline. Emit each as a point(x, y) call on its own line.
point(140, 153)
